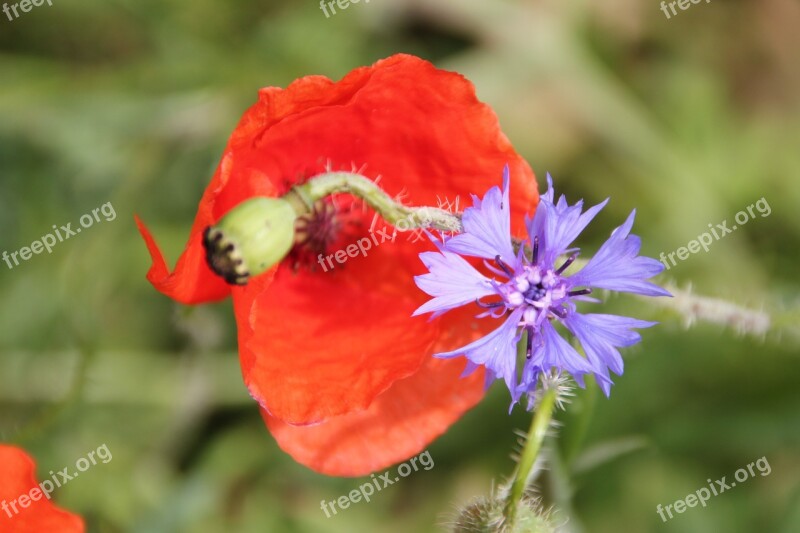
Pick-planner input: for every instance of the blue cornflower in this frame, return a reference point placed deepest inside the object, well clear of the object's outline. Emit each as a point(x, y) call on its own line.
point(530, 291)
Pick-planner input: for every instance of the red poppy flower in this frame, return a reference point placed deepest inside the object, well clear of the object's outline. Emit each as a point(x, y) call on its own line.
point(24, 508)
point(343, 374)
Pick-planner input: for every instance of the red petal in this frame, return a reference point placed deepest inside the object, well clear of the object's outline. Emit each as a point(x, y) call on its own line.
point(398, 425)
point(192, 282)
point(17, 478)
point(327, 343)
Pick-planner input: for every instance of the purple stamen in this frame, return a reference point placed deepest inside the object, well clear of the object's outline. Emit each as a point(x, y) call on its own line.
point(567, 263)
point(535, 255)
point(529, 343)
point(560, 312)
point(491, 305)
point(579, 292)
point(505, 267)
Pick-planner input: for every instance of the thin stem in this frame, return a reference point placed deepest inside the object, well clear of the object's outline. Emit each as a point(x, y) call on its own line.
point(387, 207)
point(696, 308)
point(533, 444)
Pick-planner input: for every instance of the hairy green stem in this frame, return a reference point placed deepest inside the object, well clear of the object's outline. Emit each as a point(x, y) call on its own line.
point(392, 211)
point(527, 460)
point(696, 308)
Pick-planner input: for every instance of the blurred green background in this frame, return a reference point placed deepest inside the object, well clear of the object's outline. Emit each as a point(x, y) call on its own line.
point(689, 120)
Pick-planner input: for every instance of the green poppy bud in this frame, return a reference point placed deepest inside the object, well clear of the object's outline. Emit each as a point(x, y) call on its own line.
point(486, 515)
point(250, 238)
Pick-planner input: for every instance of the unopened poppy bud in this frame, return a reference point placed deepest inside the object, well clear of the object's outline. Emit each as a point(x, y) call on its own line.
point(249, 239)
point(486, 515)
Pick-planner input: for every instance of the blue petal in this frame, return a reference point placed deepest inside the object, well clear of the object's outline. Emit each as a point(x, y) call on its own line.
point(530, 377)
point(601, 335)
point(548, 195)
point(535, 225)
point(616, 265)
point(564, 227)
point(497, 351)
point(487, 226)
point(558, 225)
point(553, 352)
point(452, 281)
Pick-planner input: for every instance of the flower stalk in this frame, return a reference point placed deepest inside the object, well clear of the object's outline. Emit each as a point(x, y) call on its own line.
point(530, 452)
point(324, 185)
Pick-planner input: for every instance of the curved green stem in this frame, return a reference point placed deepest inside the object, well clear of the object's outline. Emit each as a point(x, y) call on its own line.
point(387, 207)
point(533, 444)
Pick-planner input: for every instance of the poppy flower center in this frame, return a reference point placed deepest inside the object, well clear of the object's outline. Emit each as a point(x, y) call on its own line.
point(317, 230)
point(314, 233)
point(331, 224)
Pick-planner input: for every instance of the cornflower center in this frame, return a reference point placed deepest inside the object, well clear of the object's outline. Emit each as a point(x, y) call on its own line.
point(540, 292)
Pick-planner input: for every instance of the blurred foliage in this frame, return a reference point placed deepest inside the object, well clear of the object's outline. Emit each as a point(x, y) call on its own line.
point(689, 120)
